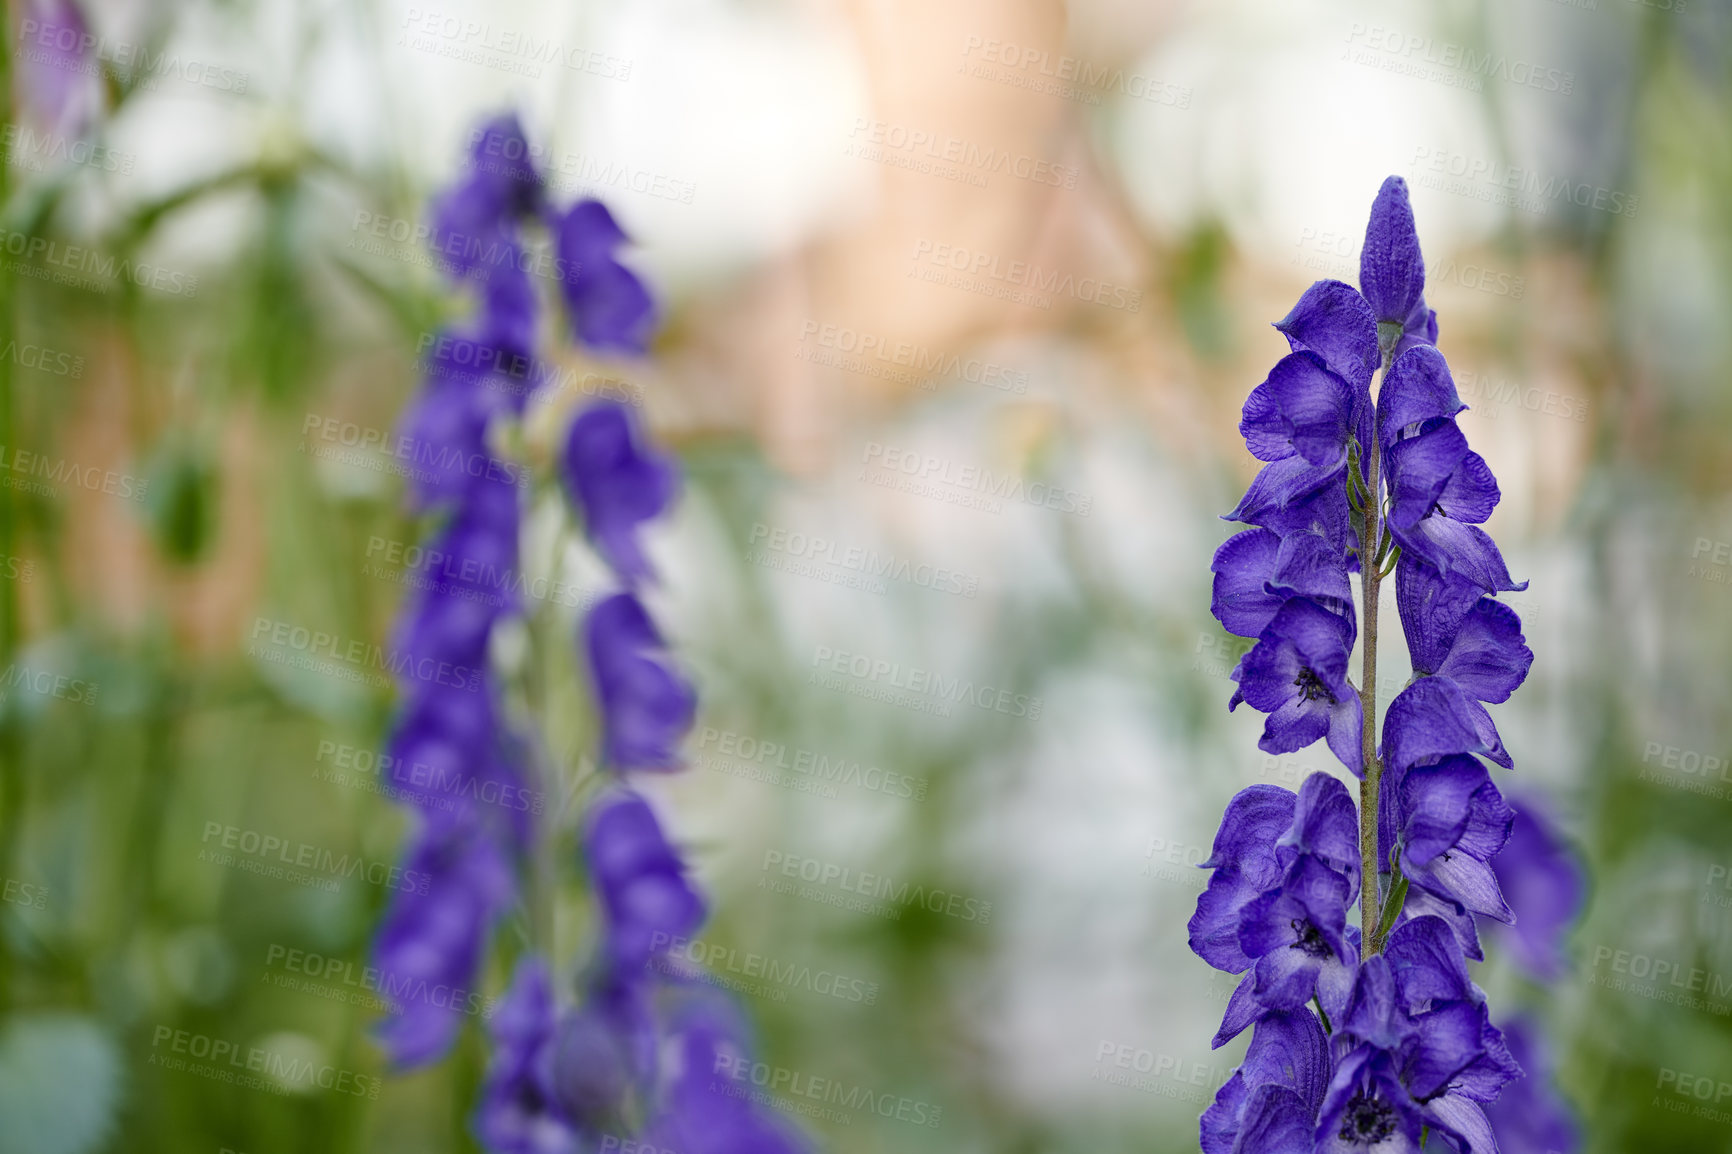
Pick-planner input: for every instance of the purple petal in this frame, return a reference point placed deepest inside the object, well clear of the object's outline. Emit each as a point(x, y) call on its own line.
point(1489, 657)
point(1419, 468)
point(1292, 496)
point(1530, 1116)
point(1255, 817)
point(1427, 964)
point(1391, 268)
point(610, 308)
point(1277, 1121)
point(1417, 391)
point(619, 481)
point(1243, 1008)
point(1325, 826)
point(1306, 565)
point(646, 706)
point(1335, 322)
point(1544, 885)
point(1301, 408)
point(1462, 1120)
point(1243, 566)
point(1432, 608)
point(1433, 718)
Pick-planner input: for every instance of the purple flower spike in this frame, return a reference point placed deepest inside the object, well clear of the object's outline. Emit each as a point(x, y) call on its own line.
point(456, 884)
point(646, 706)
point(1297, 674)
point(618, 481)
point(519, 1112)
point(610, 308)
point(1392, 271)
point(642, 883)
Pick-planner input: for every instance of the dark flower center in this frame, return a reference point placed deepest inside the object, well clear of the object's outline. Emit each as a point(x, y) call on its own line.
point(1308, 939)
point(1311, 687)
point(1368, 1121)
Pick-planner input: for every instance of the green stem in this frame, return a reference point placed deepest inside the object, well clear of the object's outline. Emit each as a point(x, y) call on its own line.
point(1370, 579)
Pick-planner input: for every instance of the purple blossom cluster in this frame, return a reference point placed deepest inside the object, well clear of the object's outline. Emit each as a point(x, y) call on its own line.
point(1372, 1036)
point(634, 1055)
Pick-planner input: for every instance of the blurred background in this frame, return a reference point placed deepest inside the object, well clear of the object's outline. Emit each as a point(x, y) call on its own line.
point(961, 301)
